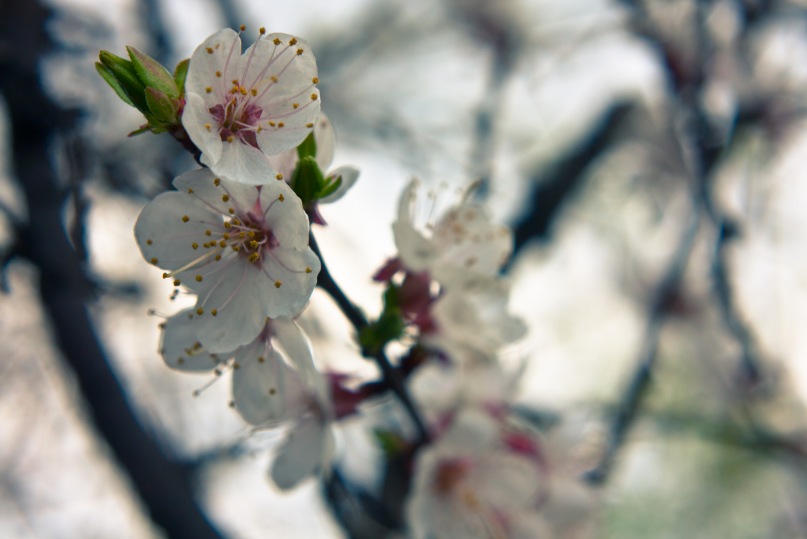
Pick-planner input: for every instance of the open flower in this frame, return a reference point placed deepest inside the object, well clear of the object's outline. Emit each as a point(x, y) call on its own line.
point(242, 249)
point(274, 382)
point(241, 108)
point(462, 246)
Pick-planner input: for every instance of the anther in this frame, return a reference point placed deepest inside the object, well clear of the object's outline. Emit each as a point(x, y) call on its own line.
point(261, 30)
point(216, 181)
point(313, 97)
point(209, 89)
point(277, 41)
point(185, 218)
point(199, 278)
point(214, 312)
point(277, 284)
point(200, 311)
point(225, 198)
point(195, 245)
point(308, 270)
point(300, 52)
point(149, 242)
point(281, 198)
point(243, 27)
point(315, 80)
point(177, 282)
point(209, 50)
point(293, 41)
point(278, 176)
point(153, 260)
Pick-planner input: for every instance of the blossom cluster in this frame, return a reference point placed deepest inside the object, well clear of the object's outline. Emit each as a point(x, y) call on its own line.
point(236, 234)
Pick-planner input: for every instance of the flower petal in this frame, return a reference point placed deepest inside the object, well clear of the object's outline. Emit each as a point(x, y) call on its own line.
point(308, 447)
point(180, 347)
point(349, 176)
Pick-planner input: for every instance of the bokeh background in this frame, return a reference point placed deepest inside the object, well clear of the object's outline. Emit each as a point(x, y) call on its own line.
point(650, 156)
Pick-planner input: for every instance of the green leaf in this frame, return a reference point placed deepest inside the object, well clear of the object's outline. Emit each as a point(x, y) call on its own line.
point(161, 106)
point(391, 443)
point(180, 74)
point(123, 71)
point(307, 179)
point(308, 147)
point(152, 73)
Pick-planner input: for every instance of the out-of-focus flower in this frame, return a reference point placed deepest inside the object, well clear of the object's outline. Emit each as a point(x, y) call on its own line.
point(472, 483)
point(242, 108)
point(274, 382)
point(242, 249)
point(462, 246)
point(474, 322)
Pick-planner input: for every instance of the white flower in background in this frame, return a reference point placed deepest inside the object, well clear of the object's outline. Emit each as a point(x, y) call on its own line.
point(440, 388)
point(325, 137)
point(473, 484)
point(274, 382)
point(473, 322)
point(242, 249)
point(462, 246)
point(242, 108)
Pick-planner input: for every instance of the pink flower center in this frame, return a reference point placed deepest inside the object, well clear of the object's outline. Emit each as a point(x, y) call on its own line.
point(238, 117)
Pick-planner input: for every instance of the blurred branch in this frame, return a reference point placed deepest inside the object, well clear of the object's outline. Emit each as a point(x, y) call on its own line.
point(657, 311)
point(555, 186)
point(393, 379)
point(165, 487)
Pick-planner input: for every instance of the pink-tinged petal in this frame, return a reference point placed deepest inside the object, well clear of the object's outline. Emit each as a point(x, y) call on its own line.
point(308, 448)
point(508, 480)
point(169, 226)
point(296, 272)
point(241, 163)
point(211, 57)
point(182, 350)
point(284, 215)
point(202, 127)
point(349, 175)
point(415, 251)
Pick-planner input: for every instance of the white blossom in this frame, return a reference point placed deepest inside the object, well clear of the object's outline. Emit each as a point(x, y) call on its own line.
point(462, 246)
point(242, 249)
point(471, 484)
point(242, 108)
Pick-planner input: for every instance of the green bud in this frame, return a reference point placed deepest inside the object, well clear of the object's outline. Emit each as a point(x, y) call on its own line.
point(308, 147)
point(120, 74)
point(162, 107)
point(389, 326)
point(152, 73)
point(307, 180)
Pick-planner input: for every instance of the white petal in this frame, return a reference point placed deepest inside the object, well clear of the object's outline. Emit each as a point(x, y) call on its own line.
point(307, 448)
point(349, 176)
point(180, 347)
point(284, 214)
point(416, 252)
point(201, 184)
point(325, 137)
point(203, 66)
point(289, 268)
point(168, 227)
point(201, 127)
point(240, 162)
point(240, 293)
point(266, 391)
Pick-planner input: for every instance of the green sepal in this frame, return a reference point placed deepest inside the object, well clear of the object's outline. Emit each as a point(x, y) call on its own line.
point(329, 187)
point(152, 73)
point(307, 180)
point(388, 327)
point(124, 73)
point(180, 74)
point(110, 79)
point(162, 107)
point(308, 147)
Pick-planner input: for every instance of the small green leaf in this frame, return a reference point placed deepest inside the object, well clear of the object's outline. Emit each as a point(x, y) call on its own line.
point(391, 443)
point(388, 327)
point(161, 106)
point(180, 74)
point(152, 73)
point(308, 147)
